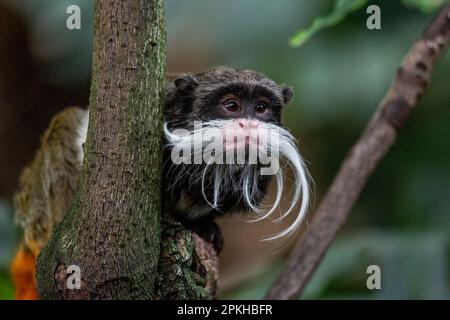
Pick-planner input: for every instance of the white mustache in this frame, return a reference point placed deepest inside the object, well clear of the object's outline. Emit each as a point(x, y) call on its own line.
point(224, 178)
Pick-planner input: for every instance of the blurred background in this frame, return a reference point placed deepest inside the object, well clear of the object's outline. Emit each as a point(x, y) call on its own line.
point(401, 221)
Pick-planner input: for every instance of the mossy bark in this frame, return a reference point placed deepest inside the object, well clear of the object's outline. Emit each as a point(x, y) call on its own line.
point(188, 265)
point(112, 230)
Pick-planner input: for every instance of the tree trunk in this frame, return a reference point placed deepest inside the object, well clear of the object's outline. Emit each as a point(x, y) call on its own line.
point(112, 230)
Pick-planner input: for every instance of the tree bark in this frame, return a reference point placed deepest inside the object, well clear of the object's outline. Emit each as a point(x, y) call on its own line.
point(188, 265)
point(409, 85)
point(112, 230)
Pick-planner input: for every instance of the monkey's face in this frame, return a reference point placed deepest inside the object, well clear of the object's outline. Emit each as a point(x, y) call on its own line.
point(223, 129)
point(241, 102)
point(225, 93)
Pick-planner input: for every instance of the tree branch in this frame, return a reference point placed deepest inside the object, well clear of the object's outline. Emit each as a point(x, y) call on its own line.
point(188, 265)
point(409, 85)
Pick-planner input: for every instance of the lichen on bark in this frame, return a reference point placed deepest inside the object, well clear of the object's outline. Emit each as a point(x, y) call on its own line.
point(188, 264)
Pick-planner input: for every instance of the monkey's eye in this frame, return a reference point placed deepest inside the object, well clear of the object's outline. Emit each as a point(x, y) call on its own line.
point(260, 107)
point(231, 105)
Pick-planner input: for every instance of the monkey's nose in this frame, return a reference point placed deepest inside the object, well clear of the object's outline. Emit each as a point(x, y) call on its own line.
point(247, 123)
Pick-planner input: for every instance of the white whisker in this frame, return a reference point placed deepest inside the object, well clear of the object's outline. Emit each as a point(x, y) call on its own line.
point(244, 178)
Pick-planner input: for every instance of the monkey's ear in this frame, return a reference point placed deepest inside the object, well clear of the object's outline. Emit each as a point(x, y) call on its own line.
point(287, 93)
point(186, 83)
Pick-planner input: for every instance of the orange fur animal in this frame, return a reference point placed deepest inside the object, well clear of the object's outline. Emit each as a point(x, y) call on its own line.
point(23, 274)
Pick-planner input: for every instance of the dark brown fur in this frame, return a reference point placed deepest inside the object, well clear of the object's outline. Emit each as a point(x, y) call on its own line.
point(200, 97)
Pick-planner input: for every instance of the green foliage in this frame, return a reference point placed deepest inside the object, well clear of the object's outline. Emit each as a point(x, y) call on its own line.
point(413, 266)
point(343, 8)
point(425, 6)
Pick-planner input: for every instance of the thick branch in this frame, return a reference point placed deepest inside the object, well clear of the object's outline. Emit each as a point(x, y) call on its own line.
point(188, 266)
point(112, 230)
point(409, 85)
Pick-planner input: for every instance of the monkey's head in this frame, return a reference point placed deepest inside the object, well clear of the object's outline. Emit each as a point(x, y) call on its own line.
point(224, 93)
point(224, 128)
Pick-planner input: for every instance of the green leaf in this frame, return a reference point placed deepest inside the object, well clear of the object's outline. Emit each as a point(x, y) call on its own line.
point(341, 9)
point(425, 6)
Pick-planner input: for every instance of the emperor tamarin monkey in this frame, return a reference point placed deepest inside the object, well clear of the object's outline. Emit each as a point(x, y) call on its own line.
point(211, 179)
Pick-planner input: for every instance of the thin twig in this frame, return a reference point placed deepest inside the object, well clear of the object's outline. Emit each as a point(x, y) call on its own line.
point(409, 85)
